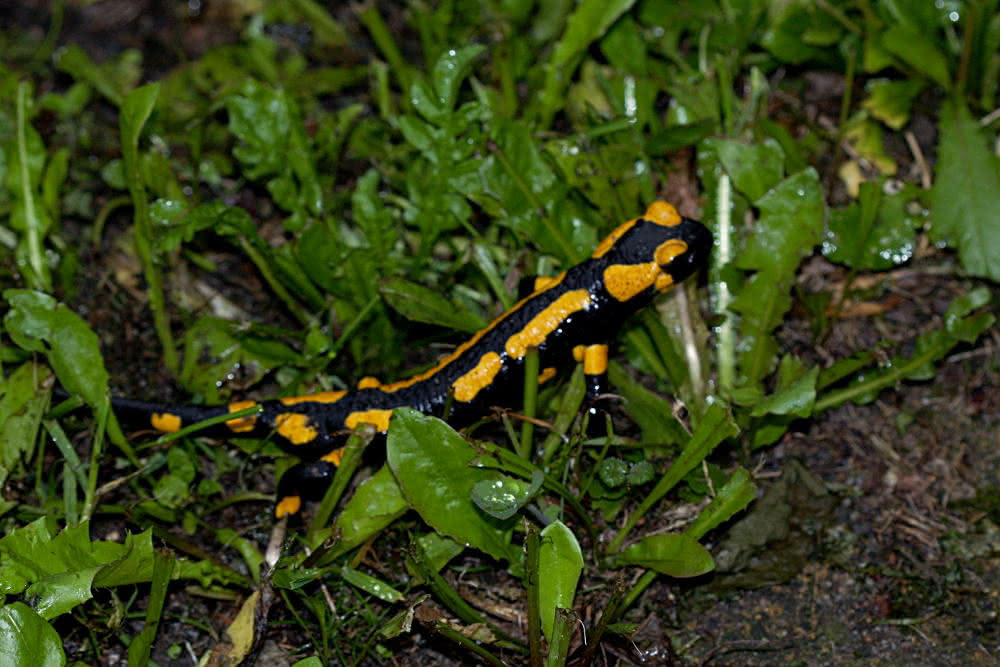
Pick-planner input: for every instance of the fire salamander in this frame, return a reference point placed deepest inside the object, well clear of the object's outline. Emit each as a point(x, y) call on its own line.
point(569, 317)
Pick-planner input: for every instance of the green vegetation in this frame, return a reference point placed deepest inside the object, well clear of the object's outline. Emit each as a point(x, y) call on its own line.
point(482, 142)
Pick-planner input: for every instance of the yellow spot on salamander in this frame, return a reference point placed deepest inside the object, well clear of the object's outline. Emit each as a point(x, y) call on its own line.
point(547, 321)
point(595, 359)
point(659, 212)
point(295, 427)
point(578, 351)
point(609, 241)
point(287, 506)
point(164, 422)
point(624, 281)
point(368, 382)
point(377, 418)
point(668, 251)
point(243, 424)
point(467, 386)
point(662, 213)
point(461, 349)
point(334, 457)
point(546, 374)
point(319, 397)
point(545, 282)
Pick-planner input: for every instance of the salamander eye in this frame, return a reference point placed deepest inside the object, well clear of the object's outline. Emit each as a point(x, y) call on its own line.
point(667, 251)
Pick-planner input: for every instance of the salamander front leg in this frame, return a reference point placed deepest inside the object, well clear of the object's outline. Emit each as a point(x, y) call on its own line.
point(595, 373)
point(595, 368)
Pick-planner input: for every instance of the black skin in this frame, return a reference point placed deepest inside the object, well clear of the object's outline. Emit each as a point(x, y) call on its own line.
point(598, 324)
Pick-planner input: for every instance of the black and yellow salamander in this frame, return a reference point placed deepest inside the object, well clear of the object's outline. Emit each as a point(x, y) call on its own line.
point(569, 317)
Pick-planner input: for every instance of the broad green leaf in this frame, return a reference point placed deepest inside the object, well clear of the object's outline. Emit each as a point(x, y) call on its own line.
point(426, 102)
point(419, 133)
point(795, 399)
point(420, 304)
point(790, 225)
point(247, 548)
point(112, 80)
point(954, 321)
point(311, 661)
point(59, 570)
point(791, 221)
point(36, 322)
point(560, 563)
point(502, 496)
point(371, 585)
point(274, 148)
point(754, 168)
point(450, 70)
point(21, 410)
point(131, 564)
point(673, 555)
point(625, 47)
point(176, 222)
point(608, 174)
point(876, 233)
point(370, 213)
point(136, 108)
point(588, 22)
point(327, 261)
point(613, 471)
point(786, 25)
point(376, 503)
point(518, 180)
point(733, 497)
point(214, 348)
point(866, 138)
point(890, 101)
point(641, 472)
point(438, 550)
point(435, 468)
point(915, 49)
point(966, 196)
point(27, 639)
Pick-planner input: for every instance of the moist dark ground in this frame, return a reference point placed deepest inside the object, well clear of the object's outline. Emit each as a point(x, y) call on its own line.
point(875, 540)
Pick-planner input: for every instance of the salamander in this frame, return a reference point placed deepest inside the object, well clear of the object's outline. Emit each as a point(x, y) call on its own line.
point(569, 318)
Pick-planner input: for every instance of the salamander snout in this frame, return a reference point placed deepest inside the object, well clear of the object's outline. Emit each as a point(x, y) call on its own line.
point(698, 239)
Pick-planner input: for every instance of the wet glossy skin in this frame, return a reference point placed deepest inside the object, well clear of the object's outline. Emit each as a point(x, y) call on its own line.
point(569, 318)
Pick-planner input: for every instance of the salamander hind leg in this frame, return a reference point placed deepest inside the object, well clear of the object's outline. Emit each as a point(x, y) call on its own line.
point(303, 482)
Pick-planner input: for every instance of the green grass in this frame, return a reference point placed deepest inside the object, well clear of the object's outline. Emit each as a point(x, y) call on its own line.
point(381, 200)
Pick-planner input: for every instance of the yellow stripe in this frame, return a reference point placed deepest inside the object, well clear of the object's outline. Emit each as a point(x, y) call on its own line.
point(544, 323)
point(377, 418)
point(164, 422)
point(243, 424)
point(467, 386)
point(402, 384)
point(319, 397)
point(296, 428)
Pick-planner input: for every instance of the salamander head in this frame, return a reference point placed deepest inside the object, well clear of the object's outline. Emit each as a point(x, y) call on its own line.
point(684, 250)
point(659, 249)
